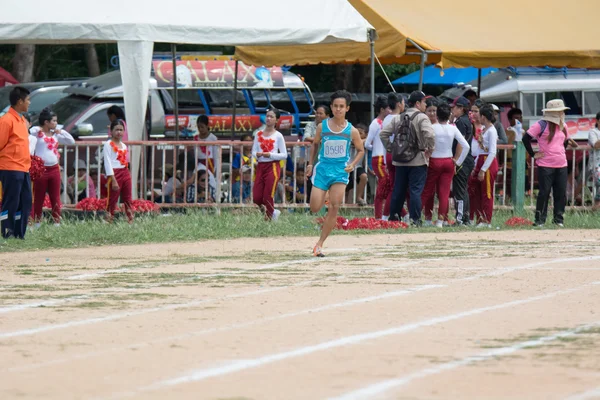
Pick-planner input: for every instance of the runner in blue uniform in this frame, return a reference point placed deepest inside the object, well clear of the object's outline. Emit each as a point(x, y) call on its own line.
point(334, 136)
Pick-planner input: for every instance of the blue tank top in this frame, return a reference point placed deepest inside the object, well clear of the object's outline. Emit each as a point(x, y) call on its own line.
point(335, 146)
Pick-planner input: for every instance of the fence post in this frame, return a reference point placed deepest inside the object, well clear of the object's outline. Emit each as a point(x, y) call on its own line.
point(518, 178)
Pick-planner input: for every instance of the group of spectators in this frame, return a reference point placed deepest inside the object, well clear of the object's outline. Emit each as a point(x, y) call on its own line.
point(418, 147)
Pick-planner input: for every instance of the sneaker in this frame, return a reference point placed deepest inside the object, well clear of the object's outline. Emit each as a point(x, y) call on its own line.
point(275, 215)
point(56, 224)
point(538, 224)
point(439, 224)
point(318, 252)
point(560, 225)
point(428, 223)
point(483, 225)
point(385, 218)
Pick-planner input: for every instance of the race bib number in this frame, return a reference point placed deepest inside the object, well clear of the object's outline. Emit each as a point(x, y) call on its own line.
point(335, 148)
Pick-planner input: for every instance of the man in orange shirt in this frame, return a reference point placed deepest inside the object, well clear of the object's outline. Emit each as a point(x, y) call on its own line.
point(14, 166)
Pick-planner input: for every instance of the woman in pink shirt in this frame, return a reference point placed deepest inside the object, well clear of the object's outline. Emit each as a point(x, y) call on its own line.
point(551, 160)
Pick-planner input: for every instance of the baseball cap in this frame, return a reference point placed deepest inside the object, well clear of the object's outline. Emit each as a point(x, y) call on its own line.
point(461, 101)
point(495, 108)
point(416, 96)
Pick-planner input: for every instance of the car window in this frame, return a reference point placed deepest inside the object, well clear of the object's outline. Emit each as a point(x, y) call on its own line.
point(69, 108)
point(99, 121)
point(45, 99)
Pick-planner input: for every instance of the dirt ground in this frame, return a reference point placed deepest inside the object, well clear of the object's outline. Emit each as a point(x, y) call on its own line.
point(496, 315)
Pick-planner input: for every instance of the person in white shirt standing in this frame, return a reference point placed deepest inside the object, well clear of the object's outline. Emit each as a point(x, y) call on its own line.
point(115, 166)
point(378, 161)
point(47, 139)
point(483, 177)
point(442, 166)
point(206, 155)
point(268, 149)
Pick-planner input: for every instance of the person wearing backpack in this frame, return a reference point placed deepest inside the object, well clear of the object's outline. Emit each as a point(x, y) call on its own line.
point(413, 143)
point(551, 160)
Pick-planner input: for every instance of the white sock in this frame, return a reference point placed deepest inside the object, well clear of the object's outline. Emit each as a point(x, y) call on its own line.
point(385, 218)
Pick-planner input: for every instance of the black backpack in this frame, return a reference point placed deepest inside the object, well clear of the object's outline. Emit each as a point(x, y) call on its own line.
point(406, 144)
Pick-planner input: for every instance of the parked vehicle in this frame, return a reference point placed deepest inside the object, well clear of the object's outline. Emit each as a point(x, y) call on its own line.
point(83, 111)
point(41, 98)
point(35, 86)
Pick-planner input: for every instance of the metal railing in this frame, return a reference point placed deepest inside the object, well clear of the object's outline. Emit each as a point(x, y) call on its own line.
point(581, 189)
point(188, 160)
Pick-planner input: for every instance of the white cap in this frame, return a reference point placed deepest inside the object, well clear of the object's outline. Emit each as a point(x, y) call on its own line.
point(495, 107)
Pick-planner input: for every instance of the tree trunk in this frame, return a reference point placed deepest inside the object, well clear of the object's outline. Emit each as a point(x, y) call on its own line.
point(91, 58)
point(22, 62)
point(343, 78)
point(362, 76)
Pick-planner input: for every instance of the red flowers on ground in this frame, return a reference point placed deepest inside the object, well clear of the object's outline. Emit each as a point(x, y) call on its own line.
point(138, 206)
point(370, 224)
point(518, 221)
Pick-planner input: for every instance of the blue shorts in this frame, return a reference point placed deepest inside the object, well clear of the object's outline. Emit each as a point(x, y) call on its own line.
point(325, 175)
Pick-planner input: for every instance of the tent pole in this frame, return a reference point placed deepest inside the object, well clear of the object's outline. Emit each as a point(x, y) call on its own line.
point(175, 97)
point(478, 82)
point(422, 70)
point(234, 100)
point(372, 43)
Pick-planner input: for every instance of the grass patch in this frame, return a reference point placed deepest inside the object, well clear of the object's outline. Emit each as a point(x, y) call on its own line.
point(203, 225)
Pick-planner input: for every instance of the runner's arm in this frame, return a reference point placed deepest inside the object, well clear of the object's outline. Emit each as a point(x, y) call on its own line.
point(313, 150)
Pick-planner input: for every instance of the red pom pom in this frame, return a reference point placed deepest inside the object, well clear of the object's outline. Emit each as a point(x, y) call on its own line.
point(36, 171)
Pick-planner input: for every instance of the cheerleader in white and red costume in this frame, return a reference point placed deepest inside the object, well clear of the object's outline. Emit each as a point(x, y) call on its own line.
point(115, 166)
point(47, 139)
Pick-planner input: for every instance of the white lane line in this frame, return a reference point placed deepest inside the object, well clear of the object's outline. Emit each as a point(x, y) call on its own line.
point(240, 365)
point(199, 276)
point(158, 284)
point(590, 394)
point(384, 386)
point(48, 328)
point(46, 303)
point(188, 335)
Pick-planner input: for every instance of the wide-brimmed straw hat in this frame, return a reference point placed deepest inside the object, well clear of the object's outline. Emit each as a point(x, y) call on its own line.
point(555, 105)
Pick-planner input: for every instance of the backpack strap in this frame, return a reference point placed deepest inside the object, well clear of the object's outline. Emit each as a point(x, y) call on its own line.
point(543, 125)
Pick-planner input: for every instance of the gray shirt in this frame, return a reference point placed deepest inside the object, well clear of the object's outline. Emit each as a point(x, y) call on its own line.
point(425, 136)
point(502, 138)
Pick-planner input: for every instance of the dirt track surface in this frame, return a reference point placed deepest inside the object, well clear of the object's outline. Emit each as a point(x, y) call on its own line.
point(503, 315)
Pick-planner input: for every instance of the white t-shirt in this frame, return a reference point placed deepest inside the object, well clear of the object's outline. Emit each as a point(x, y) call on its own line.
point(490, 142)
point(445, 135)
point(279, 150)
point(373, 142)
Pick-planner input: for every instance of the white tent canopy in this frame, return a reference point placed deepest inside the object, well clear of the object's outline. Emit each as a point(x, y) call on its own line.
point(136, 24)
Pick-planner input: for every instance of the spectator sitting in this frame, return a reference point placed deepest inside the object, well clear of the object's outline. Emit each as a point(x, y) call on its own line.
point(246, 184)
point(84, 187)
point(172, 186)
point(298, 185)
point(241, 160)
point(200, 189)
